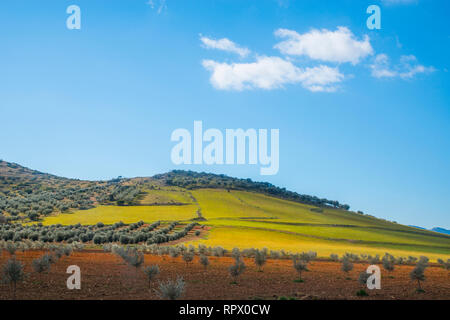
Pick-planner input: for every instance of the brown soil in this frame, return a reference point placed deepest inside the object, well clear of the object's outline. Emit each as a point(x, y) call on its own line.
point(106, 276)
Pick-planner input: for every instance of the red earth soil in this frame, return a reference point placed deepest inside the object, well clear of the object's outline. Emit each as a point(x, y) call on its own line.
point(106, 276)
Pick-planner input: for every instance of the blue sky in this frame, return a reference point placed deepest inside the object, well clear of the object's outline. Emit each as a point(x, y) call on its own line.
point(364, 115)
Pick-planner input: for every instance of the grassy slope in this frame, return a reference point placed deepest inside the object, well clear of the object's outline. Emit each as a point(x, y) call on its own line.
point(245, 219)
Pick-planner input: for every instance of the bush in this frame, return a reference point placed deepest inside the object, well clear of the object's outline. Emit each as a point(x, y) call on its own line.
point(334, 257)
point(204, 261)
point(11, 248)
point(299, 266)
point(260, 259)
point(67, 250)
point(135, 259)
point(411, 259)
point(423, 261)
point(388, 262)
point(188, 256)
point(418, 274)
point(42, 264)
point(347, 266)
point(12, 273)
point(170, 289)
point(218, 251)
point(363, 277)
point(362, 293)
point(151, 272)
point(237, 269)
point(174, 252)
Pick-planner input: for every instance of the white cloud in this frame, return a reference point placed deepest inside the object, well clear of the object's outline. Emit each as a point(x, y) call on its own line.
point(406, 69)
point(332, 46)
point(225, 45)
point(271, 73)
point(160, 5)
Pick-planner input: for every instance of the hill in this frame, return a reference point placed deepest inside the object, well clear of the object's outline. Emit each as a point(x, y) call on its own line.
point(231, 212)
point(441, 230)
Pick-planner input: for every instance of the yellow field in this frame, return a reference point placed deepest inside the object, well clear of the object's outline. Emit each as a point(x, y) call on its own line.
point(126, 214)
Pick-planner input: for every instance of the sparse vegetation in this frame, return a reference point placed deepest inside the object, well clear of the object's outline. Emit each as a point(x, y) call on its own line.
point(151, 273)
point(204, 261)
point(299, 266)
point(418, 273)
point(362, 279)
point(347, 266)
point(388, 262)
point(187, 256)
point(170, 289)
point(42, 264)
point(237, 268)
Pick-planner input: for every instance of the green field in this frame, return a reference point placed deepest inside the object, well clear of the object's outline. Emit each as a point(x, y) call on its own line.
point(246, 219)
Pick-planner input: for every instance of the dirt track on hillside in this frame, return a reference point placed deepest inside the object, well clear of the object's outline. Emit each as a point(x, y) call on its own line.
point(106, 276)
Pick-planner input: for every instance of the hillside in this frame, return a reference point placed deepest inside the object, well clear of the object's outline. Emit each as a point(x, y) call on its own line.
point(232, 213)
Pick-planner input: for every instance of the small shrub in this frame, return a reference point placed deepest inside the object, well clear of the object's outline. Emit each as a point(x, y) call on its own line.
point(42, 264)
point(334, 257)
point(418, 274)
point(373, 260)
point(188, 257)
point(299, 266)
point(135, 260)
point(363, 277)
point(237, 269)
point(388, 263)
point(235, 253)
point(12, 273)
point(151, 272)
point(67, 250)
point(423, 260)
point(347, 266)
point(204, 261)
point(218, 251)
point(170, 289)
point(11, 247)
point(260, 259)
point(362, 293)
point(174, 252)
point(411, 259)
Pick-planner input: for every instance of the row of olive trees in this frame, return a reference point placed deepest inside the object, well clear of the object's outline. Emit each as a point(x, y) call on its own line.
point(99, 233)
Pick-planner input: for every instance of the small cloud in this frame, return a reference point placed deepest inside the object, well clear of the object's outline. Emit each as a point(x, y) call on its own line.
point(331, 46)
point(271, 73)
point(225, 45)
point(159, 5)
point(406, 69)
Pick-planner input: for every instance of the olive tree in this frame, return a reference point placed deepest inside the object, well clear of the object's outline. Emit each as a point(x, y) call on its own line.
point(12, 273)
point(151, 272)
